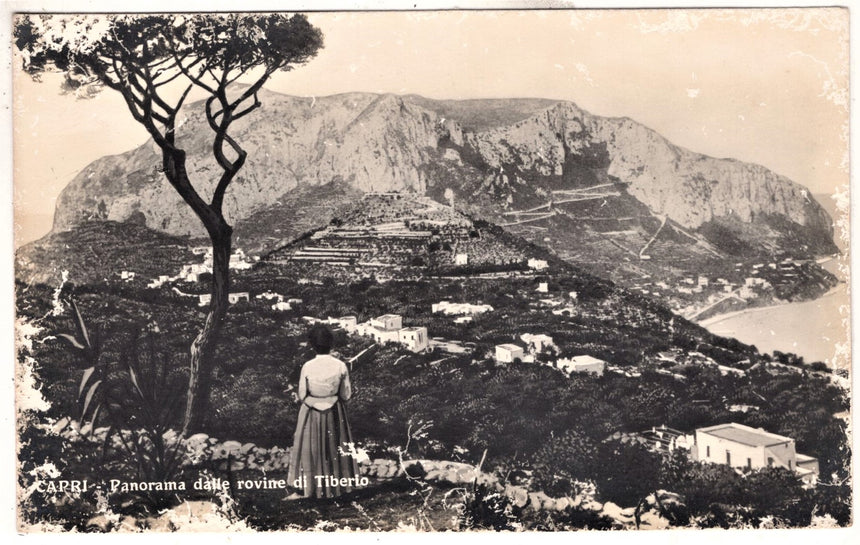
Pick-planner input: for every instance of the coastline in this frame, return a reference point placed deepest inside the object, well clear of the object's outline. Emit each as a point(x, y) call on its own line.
point(713, 320)
point(815, 329)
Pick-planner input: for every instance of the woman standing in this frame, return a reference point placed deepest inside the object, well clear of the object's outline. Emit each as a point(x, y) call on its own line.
point(319, 460)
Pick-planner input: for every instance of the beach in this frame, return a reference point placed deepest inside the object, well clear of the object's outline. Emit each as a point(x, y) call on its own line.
point(817, 330)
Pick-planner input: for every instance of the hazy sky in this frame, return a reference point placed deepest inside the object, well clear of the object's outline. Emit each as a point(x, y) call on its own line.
point(766, 86)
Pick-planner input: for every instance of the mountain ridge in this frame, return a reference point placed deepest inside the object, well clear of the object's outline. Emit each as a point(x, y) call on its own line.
point(386, 142)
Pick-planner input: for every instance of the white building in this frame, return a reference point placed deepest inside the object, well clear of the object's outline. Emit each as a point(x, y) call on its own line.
point(192, 272)
point(126, 275)
point(537, 264)
point(348, 323)
point(582, 364)
point(205, 299)
point(384, 328)
point(237, 260)
point(463, 320)
point(543, 287)
point(282, 306)
point(461, 259)
point(746, 293)
point(269, 296)
point(387, 322)
point(740, 446)
point(234, 298)
point(414, 338)
point(507, 353)
point(703, 281)
point(455, 309)
point(538, 341)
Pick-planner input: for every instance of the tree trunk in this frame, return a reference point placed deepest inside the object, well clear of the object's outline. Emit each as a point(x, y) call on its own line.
point(203, 347)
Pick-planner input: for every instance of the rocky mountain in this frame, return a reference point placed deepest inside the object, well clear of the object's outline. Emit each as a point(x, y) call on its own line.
point(608, 193)
point(392, 143)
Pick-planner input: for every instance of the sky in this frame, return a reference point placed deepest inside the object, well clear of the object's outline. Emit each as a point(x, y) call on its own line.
point(768, 86)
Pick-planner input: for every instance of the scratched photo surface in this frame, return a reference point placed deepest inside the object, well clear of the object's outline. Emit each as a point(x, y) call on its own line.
point(429, 271)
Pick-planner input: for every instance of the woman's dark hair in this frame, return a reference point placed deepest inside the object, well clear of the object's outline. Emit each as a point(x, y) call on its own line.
point(321, 338)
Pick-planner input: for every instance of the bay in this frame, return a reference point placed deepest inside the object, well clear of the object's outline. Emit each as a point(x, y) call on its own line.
point(817, 330)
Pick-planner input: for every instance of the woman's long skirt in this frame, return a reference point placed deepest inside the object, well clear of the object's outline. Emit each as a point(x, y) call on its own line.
point(319, 456)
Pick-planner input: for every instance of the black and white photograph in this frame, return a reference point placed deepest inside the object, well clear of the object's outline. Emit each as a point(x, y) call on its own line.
point(431, 270)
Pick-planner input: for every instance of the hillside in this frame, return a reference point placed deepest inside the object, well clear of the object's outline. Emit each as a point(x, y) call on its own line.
point(397, 236)
point(98, 251)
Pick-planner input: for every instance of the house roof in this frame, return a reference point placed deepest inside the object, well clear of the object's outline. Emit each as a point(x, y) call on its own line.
point(745, 435)
point(508, 346)
point(580, 360)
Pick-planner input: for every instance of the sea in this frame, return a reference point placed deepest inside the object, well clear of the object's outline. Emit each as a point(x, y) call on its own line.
point(817, 330)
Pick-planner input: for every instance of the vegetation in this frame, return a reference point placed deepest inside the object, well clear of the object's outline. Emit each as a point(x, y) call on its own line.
point(562, 430)
point(141, 57)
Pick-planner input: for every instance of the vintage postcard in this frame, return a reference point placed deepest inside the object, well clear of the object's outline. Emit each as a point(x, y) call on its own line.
point(511, 270)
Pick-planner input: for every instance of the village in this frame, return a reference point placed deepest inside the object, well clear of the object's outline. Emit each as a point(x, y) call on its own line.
point(697, 297)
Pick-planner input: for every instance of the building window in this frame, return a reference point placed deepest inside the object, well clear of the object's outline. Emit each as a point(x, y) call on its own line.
point(708, 451)
point(728, 458)
point(769, 461)
point(749, 463)
point(789, 464)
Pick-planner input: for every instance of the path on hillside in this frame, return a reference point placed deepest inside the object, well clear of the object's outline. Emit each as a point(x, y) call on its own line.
point(653, 237)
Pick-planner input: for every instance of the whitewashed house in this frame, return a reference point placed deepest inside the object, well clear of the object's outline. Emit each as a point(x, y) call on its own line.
point(454, 309)
point(237, 260)
point(348, 323)
point(582, 364)
point(204, 299)
point(414, 338)
point(740, 446)
point(507, 353)
point(461, 259)
point(269, 296)
point(537, 264)
point(126, 275)
point(234, 298)
point(537, 342)
point(387, 321)
point(543, 287)
point(385, 328)
point(282, 306)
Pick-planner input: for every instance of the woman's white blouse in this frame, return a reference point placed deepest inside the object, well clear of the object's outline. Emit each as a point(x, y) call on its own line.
point(323, 381)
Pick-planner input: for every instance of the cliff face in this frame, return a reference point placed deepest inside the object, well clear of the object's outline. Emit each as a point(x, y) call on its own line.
point(690, 188)
point(492, 155)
